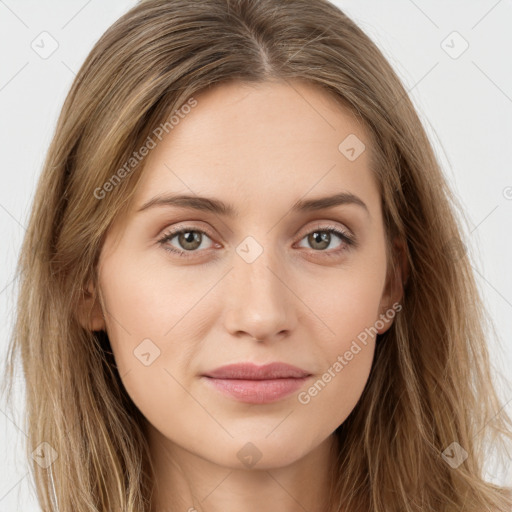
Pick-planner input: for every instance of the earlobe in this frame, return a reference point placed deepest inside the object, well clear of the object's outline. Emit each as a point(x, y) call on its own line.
point(398, 273)
point(90, 313)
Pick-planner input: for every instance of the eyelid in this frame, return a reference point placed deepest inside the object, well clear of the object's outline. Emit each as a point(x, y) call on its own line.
point(175, 229)
point(172, 232)
point(325, 226)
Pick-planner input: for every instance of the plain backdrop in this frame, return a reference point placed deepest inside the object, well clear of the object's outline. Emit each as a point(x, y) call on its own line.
point(452, 56)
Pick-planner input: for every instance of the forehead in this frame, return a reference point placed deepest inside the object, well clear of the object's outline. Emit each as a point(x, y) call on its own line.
point(272, 142)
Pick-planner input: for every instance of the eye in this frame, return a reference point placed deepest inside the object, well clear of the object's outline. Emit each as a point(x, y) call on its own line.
point(189, 240)
point(322, 237)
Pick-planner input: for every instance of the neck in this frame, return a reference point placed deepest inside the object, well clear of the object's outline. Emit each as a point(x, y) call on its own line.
point(185, 481)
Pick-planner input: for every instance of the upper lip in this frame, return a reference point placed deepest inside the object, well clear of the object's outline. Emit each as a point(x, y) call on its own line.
point(251, 371)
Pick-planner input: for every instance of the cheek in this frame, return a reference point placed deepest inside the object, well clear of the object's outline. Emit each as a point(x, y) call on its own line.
point(348, 304)
point(150, 317)
point(143, 301)
point(349, 310)
point(334, 392)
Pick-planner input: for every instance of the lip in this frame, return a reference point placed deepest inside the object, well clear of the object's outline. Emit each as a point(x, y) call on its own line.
point(251, 371)
point(250, 383)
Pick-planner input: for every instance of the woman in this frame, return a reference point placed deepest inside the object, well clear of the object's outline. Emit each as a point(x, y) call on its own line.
point(242, 284)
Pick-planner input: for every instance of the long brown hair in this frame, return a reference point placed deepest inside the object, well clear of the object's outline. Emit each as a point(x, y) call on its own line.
point(430, 384)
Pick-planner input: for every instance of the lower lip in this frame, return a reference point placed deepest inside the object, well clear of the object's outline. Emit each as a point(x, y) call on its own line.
point(257, 391)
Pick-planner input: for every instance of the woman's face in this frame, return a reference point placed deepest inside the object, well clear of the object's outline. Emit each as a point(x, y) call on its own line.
point(258, 280)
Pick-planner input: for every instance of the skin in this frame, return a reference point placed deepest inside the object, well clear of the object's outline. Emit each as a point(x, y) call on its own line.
point(260, 148)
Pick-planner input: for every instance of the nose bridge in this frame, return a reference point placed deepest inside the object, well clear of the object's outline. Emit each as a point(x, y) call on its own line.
point(259, 303)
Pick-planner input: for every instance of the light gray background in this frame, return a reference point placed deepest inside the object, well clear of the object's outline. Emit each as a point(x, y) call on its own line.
point(464, 102)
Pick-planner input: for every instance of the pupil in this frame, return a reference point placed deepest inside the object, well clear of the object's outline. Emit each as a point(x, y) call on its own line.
point(190, 237)
point(321, 238)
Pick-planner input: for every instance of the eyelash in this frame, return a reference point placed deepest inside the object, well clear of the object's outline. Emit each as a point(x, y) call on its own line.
point(348, 241)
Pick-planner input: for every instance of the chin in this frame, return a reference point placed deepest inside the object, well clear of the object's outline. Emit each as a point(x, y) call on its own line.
point(261, 453)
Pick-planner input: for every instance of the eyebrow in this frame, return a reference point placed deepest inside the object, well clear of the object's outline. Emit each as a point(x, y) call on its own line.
point(219, 207)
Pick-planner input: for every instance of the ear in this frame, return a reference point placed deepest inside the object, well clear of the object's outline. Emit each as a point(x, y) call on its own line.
point(90, 313)
point(398, 273)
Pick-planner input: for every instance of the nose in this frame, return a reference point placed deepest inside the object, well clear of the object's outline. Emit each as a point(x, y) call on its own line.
point(260, 302)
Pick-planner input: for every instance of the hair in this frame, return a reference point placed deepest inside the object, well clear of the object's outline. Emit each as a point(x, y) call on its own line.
point(430, 384)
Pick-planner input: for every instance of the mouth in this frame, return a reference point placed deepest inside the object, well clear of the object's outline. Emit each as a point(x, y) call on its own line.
point(249, 383)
